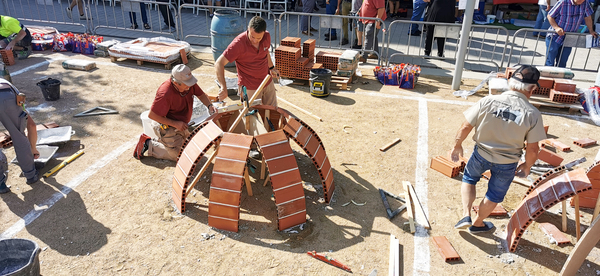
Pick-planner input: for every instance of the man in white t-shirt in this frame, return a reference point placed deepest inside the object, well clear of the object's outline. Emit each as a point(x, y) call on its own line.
point(541, 21)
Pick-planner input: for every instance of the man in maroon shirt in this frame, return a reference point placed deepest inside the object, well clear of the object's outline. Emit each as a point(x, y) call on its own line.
point(250, 51)
point(372, 8)
point(172, 111)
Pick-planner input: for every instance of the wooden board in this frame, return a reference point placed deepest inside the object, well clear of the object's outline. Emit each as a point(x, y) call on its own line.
point(540, 101)
point(340, 83)
point(417, 204)
point(409, 206)
point(168, 65)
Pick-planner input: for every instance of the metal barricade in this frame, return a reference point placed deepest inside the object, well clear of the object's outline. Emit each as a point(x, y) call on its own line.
point(201, 28)
point(48, 12)
point(291, 20)
point(487, 44)
point(121, 15)
point(526, 49)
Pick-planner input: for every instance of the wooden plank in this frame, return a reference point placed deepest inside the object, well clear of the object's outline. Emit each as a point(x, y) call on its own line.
point(302, 110)
point(248, 183)
point(409, 207)
point(417, 203)
point(445, 249)
point(577, 219)
point(597, 208)
point(564, 216)
point(582, 249)
point(554, 233)
point(183, 56)
point(392, 257)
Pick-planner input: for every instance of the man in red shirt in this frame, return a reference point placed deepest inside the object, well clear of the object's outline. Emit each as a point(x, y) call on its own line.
point(372, 8)
point(172, 111)
point(250, 51)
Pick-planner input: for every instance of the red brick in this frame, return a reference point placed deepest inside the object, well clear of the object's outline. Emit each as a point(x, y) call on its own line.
point(564, 85)
point(550, 157)
point(585, 142)
point(445, 249)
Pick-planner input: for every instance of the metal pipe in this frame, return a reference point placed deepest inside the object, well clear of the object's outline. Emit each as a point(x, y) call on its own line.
point(462, 46)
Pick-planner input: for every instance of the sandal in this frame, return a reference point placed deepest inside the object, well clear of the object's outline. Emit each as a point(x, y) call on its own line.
point(146, 26)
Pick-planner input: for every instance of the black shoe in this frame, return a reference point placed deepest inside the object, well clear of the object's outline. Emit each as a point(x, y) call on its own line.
point(416, 33)
point(316, 8)
point(464, 223)
point(34, 179)
point(356, 46)
point(440, 55)
point(313, 29)
point(306, 33)
point(487, 226)
point(323, 6)
point(133, 27)
point(344, 41)
point(146, 26)
point(330, 38)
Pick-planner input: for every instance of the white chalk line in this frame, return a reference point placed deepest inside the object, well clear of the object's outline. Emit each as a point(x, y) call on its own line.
point(422, 259)
point(66, 189)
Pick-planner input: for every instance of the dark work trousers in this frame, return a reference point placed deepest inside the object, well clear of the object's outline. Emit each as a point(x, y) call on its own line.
point(166, 13)
point(14, 120)
point(429, 41)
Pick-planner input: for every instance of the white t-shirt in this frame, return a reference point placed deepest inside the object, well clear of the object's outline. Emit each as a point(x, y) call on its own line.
point(543, 2)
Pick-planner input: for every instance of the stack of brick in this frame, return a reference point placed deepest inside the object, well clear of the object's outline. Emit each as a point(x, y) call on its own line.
point(563, 91)
point(304, 73)
point(308, 49)
point(329, 60)
point(291, 42)
point(347, 63)
point(286, 60)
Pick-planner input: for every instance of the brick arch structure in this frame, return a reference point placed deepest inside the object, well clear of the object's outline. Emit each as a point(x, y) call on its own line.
point(588, 199)
point(230, 164)
point(544, 196)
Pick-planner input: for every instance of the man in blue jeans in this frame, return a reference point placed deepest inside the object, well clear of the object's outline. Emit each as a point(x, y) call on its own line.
point(566, 16)
point(502, 124)
point(418, 10)
point(331, 8)
point(541, 22)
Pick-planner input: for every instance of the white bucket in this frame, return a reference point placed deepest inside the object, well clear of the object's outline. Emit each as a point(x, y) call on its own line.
point(147, 124)
point(491, 18)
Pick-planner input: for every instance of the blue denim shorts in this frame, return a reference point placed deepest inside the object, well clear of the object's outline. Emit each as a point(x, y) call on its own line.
point(502, 176)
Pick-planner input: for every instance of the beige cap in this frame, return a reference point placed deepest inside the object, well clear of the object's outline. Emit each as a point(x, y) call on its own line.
point(183, 74)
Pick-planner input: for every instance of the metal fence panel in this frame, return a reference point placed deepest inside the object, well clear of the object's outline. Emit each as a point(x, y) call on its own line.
point(47, 12)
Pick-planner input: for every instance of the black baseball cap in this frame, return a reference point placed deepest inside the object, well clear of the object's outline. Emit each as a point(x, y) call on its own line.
point(527, 74)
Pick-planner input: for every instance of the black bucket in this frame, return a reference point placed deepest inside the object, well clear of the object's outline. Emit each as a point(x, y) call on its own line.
point(319, 82)
point(50, 89)
point(19, 257)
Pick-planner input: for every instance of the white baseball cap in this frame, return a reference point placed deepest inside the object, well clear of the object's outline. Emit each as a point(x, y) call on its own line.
point(183, 74)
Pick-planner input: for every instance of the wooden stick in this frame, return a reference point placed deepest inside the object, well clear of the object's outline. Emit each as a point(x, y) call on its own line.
point(522, 182)
point(597, 208)
point(248, 184)
point(267, 180)
point(418, 206)
point(582, 249)
point(396, 257)
point(392, 263)
point(577, 220)
point(304, 111)
point(386, 147)
point(409, 207)
point(263, 168)
point(245, 110)
point(266, 123)
point(564, 216)
point(208, 162)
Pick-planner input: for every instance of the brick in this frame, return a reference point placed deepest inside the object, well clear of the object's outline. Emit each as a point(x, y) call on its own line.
point(564, 85)
point(8, 57)
point(445, 249)
point(563, 96)
point(554, 233)
point(542, 91)
point(446, 167)
point(498, 210)
point(291, 42)
point(550, 157)
point(585, 142)
point(509, 72)
point(555, 144)
point(546, 82)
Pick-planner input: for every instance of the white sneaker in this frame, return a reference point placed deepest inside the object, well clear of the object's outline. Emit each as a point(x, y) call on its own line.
point(69, 14)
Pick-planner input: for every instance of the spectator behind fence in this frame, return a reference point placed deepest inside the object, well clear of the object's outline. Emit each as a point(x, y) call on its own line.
point(372, 8)
point(165, 11)
point(210, 10)
point(566, 16)
point(394, 7)
point(308, 6)
point(346, 5)
point(541, 22)
point(418, 10)
point(358, 25)
point(80, 8)
point(438, 11)
point(331, 8)
point(127, 5)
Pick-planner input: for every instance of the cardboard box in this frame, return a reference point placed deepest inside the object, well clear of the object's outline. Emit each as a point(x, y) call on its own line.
point(488, 9)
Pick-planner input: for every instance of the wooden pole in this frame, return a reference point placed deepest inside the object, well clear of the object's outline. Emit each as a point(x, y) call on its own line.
point(564, 216)
point(582, 249)
point(201, 172)
point(304, 111)
point(248, 184)
point(597, 208)
point(409, 207)
point(577, 220)
point(245, 110)
point(415, 199)
point(386, 147)
point(267, 180)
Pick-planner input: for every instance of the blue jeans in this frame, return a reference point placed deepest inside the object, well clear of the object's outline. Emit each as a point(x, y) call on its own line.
point(330, 9)
point(502, 176)
point(554, 52)
point(132, 18)
point(418, 10)
point(541, 20)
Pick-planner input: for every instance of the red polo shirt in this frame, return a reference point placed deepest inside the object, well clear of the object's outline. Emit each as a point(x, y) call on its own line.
point(174, 105)
point(252, 64)
point(369, 9)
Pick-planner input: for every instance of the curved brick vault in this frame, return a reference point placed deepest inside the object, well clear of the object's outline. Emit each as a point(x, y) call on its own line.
point(546, 194)
point(230, 165)
point(588, 199)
